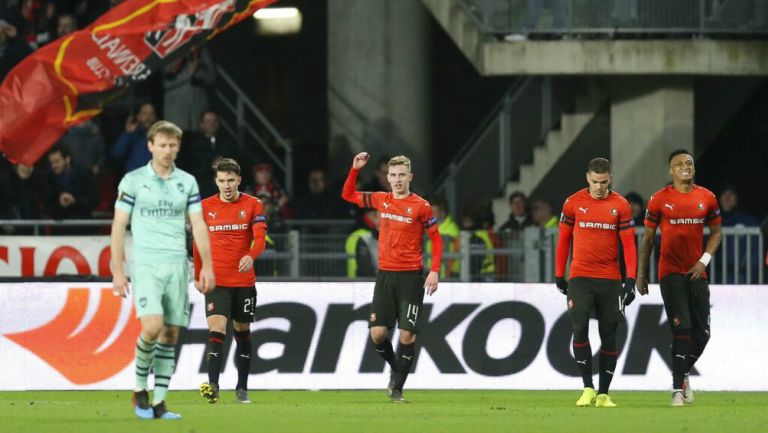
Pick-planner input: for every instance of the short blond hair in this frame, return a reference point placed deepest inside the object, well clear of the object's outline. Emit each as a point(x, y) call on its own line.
point(400, 160)
point(163, 127)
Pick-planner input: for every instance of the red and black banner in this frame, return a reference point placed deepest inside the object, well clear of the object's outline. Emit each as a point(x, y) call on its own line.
point(65, 83)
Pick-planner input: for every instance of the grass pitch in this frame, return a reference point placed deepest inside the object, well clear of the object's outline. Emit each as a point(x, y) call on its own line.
point(371, 411)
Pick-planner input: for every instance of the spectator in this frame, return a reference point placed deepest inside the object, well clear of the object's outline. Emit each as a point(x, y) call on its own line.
point(71, 191)
point(131, 147)
point(730, 213)
point(518, 217)
point(186, 88)
point(541, 214)
point(21, 189)
point(482, 267)
point(449, 231)
point(65, 24)
point(362, 246)
point(266, 265)
point(638, 208)
point(33, 19)
point(731, 216)
point(319, 203)
point(86, 146)
point(200, 149)
point(379, 181)
point(264, 185)
point(13, 49)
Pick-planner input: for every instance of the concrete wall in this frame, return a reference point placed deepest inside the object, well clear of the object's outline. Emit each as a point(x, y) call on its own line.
point(378, 82)
point(650, 117)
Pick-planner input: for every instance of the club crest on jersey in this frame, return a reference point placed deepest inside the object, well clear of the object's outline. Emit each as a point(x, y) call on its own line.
point(373, 317)
point(180, 186)
point(614, 212)
point(408, 210)
point(241, 214)
point(210, 306)
point(700, 206)
point(570, 304)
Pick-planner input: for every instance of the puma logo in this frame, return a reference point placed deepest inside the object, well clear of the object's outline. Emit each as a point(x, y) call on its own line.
point(584, 210)
point(408, 357)
point(386, 205)
point(670, 206)
point(212, 215)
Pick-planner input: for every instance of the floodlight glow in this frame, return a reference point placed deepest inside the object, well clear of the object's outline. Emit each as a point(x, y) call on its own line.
point(275, 13)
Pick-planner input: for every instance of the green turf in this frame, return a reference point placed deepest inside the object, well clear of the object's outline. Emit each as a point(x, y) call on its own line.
point(371, 412)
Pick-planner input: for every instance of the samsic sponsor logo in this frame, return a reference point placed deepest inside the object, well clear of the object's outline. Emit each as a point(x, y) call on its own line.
point(599, 226)
point(228, 227)
point(398, 218)
point(676, 221)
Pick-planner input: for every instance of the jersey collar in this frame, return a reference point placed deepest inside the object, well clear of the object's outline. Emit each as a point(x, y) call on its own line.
point(151, 171)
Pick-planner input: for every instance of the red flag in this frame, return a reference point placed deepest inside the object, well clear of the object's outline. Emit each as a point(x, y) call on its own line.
point(64, 83)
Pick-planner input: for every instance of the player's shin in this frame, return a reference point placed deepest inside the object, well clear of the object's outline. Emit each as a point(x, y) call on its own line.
point(164, 365)
point(681, 352)
point(243, 358)
point(608, 357)
point(582, 352)
point(145, 352)
point(214, 355)
point(405, 355)
point(384, 349)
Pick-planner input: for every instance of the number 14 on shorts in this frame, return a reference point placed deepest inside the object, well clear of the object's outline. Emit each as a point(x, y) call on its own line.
point(413, 314)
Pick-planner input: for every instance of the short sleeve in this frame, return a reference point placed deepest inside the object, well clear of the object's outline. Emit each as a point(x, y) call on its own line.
point(193, 198)
point(713, 212)
point(626, 221)
point(652, 213)
point(566, 215)
point(126, 195)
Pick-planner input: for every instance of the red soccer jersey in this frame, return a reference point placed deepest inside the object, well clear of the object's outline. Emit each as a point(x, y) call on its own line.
point(596, 226)
point(232, 229)
point(682, 217)
point(402, 223)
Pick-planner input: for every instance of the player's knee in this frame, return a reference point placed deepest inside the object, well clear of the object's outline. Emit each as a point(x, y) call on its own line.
point(378, 335)
point(580, 333)
point(407, 337)
point(218, 323)
point(169, 335)
point(151, 332)
point(241, 326)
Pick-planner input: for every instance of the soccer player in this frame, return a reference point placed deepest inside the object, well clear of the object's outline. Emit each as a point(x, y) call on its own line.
point(237, 226)
point(156, 199)
point(681, 210)
point(596, 218)
point(400, 284)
